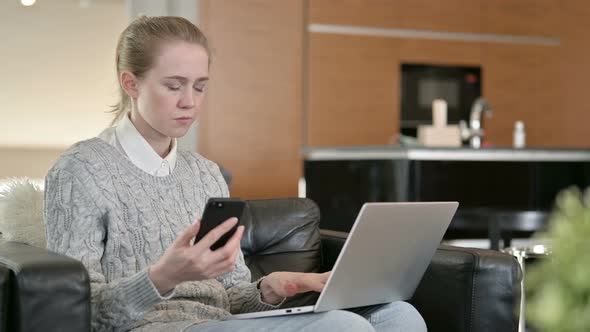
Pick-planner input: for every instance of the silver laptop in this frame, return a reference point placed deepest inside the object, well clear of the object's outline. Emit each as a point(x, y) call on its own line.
point(383, 259)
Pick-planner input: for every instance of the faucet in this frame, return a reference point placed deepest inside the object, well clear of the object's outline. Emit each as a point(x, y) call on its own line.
point(475, 131)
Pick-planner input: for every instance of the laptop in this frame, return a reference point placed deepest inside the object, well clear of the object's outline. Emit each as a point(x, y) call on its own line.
point(383, 259)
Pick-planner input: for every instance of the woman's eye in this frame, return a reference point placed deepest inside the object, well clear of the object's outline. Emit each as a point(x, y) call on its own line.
point(173, 88)
point(199, 88)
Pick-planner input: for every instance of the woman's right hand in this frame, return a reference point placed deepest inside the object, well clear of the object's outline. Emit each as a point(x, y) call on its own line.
point(183, 261)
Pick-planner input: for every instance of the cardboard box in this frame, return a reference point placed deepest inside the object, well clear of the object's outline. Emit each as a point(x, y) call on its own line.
point(447, 136)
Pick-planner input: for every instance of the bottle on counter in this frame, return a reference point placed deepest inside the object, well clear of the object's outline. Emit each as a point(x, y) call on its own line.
point(519, 136)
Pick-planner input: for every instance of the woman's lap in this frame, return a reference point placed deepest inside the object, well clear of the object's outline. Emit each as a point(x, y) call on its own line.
point(396, 316)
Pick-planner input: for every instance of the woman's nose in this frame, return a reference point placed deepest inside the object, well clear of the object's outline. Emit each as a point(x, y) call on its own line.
point(187, 100)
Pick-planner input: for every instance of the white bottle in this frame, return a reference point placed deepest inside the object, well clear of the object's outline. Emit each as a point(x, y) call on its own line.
point(519, 137)
point(439, 113)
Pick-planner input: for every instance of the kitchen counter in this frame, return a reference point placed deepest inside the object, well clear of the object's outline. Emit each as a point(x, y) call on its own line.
point(486, 182)
point(464, 154)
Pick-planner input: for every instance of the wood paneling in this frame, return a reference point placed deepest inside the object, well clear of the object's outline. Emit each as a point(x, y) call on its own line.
point(252, 120)
point(354, 87)
point(540, 85)
point(521, 17)
point(440, 52)
point(447, 15)
point(354, 84)
point(522, 82)
point(574, 59)
point(353, 90)
point(271, 178)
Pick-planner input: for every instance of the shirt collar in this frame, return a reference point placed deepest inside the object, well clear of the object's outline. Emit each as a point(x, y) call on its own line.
point(141, 152)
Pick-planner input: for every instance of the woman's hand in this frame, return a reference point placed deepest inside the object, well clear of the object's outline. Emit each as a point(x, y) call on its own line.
point(279, 285)
point(184, 261)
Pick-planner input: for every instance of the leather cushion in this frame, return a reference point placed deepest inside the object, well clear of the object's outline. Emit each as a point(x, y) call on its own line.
point(281, 235)
point(480, 290)
point(49, 292)
point(4, 297)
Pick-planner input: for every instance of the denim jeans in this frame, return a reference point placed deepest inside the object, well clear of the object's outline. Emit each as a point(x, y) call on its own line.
point(392, 317)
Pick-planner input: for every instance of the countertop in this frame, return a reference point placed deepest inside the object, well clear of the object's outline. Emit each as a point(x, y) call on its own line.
point(386, 152)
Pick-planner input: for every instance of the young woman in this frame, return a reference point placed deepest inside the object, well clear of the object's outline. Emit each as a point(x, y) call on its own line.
point(127, 203)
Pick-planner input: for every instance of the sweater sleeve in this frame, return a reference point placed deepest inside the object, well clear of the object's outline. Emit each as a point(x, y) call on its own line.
point(243, 294)
point(76, 227)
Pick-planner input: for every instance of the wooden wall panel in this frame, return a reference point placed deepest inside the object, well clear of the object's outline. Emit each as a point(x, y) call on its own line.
point(575, 70)
point(522, 82)
point(353, 90)
point(521, 17)
point(440, 52)
point(447, 15)
point(252, 120)
point(265, 178)
point(354, 84)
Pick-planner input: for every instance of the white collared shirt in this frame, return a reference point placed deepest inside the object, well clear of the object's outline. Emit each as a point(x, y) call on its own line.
point(129, 141)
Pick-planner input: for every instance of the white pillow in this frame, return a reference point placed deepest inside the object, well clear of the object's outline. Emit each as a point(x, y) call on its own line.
point(21, 212)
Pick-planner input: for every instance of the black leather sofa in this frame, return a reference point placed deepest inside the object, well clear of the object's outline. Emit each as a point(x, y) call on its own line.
point(463, 290)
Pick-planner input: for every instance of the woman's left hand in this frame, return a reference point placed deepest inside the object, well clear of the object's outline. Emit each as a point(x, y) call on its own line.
point(279, 285)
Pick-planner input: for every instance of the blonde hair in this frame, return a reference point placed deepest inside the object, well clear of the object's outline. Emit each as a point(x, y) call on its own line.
point(138, 45)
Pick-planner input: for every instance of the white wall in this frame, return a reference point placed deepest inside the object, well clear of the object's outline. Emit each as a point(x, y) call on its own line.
point(57, 70)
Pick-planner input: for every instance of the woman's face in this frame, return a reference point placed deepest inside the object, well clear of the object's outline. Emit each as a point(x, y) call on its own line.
point(170, 95)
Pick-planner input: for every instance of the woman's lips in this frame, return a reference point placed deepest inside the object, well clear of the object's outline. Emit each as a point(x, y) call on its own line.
point(184, 120)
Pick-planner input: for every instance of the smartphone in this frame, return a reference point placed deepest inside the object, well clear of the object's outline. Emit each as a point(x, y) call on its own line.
point(216, 212)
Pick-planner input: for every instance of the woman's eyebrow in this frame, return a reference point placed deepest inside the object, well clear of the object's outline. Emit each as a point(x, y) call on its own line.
point(184, 79)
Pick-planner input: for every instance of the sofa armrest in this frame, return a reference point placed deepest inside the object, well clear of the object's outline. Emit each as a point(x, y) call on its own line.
point(467, 289)
point(4, 296)
point(463, 289)
point(45, 292)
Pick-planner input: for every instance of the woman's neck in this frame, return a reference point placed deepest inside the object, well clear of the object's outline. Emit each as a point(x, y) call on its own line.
point(160, 143)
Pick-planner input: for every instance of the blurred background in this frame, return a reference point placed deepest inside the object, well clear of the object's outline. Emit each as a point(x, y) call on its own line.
point(288, 75)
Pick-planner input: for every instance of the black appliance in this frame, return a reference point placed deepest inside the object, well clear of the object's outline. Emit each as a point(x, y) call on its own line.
point(422, 83)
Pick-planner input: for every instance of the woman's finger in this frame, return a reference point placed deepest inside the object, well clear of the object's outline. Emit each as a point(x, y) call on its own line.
point(221, 270)
point(216, 233)
point(230, 249)
point(234, 241)
point(188, 234)
point(310, 282)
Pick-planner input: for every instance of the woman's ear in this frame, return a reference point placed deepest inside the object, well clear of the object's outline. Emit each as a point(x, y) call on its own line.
point(129, 84)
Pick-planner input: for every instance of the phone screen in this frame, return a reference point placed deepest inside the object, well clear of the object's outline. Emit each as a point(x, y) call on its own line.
point(216, 212)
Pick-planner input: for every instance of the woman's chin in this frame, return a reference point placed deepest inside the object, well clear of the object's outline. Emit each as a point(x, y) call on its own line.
point(178, 132)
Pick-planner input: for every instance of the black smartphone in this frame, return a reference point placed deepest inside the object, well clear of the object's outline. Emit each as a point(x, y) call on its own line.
point(216, 212)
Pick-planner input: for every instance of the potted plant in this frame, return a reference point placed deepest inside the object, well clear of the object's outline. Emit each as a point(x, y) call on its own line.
point(558, 288)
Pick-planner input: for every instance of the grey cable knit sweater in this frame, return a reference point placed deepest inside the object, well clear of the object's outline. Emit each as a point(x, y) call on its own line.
point(118, 220)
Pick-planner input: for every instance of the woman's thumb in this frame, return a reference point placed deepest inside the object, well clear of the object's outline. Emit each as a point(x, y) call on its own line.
point(189, 233)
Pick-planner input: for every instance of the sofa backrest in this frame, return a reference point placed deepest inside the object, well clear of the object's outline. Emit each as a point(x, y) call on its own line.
point(281, 235)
